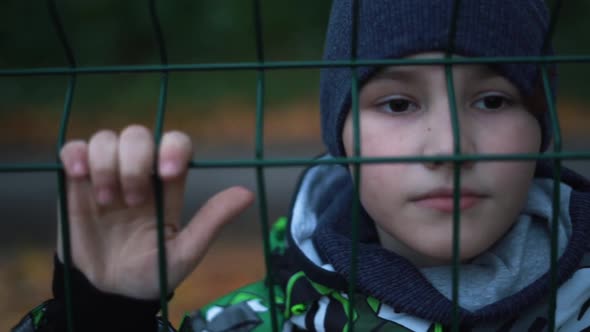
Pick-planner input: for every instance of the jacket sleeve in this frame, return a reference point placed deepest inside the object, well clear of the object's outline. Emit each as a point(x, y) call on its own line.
point(93, 310)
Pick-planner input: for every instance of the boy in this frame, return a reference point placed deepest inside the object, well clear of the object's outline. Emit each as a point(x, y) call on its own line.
point(405, 247)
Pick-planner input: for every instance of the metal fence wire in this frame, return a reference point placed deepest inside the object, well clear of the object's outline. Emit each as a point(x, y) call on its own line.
point(260, 163)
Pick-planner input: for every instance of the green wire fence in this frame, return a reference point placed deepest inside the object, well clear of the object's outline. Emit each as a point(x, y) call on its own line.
point(259, 163)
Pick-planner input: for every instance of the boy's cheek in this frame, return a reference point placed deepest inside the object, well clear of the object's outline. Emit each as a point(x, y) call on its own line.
point(382, 189)
point(380, 138)
point(519, 133)
point(383, 176)
point(511, 179)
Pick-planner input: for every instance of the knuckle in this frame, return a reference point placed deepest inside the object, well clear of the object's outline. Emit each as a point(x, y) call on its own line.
point(136, 184)
point(104, 174)
point(136, 168)
point(104, 169)
point(135, 171)
point(132, 180)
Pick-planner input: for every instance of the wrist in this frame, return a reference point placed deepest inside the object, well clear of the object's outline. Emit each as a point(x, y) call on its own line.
point(101, 310)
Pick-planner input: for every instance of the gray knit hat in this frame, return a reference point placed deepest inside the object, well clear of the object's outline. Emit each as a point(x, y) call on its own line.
point(397, 28)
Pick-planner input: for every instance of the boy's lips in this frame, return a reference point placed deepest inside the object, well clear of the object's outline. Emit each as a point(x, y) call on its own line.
point(443, 200)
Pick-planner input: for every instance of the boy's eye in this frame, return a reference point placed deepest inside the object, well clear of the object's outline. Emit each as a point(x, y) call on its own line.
point(491, 102)
point(398, 105)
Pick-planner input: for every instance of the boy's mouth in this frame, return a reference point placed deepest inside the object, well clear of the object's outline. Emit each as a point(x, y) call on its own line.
point(443, 200)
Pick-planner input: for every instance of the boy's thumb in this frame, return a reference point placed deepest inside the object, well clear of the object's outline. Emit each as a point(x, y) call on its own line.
point(194, 240)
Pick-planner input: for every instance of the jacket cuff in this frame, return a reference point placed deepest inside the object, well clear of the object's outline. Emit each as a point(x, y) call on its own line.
point(94, 310)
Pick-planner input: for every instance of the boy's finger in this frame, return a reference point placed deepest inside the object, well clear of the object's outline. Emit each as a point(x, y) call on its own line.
point(136, 158)
point(196, 237)
point(175, 154)
point(102, 158)
point(74, 156)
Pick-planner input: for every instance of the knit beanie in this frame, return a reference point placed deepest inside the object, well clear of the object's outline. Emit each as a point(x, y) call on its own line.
point(396, 28)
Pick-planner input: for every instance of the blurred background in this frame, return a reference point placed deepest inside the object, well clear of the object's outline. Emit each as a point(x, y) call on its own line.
point(216, 108)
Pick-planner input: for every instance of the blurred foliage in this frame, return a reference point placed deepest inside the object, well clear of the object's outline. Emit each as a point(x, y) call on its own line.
point(572, 37)
point(113, 32)
point(110, 32)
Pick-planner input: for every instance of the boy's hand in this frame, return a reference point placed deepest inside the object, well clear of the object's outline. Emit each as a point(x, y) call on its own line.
point(112, 210)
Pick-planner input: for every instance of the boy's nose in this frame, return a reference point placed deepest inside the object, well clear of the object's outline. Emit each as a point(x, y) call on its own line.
point(440, 139)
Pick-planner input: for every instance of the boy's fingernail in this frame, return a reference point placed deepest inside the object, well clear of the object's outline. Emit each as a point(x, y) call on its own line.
point(78, 168)
point(133, 199)
point(104, 196)
point(169, 168)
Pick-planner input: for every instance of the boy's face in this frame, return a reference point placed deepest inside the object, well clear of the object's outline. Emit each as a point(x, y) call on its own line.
point(404, 111)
